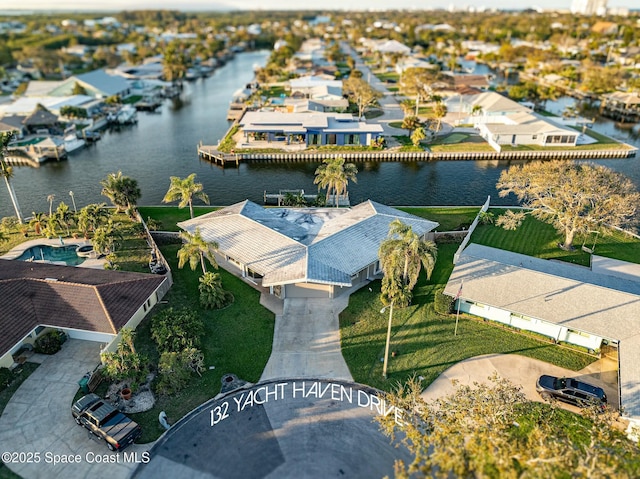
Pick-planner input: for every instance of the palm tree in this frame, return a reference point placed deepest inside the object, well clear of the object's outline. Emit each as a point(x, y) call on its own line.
point(418, 135)
point(123, 191)
point(50, 199)
point(37, 221)
point(65, 216)
point(195, 248)
point(92, 217)
point(6, 171)
point(401, 256)
point(411, 123)
point(183, 190)
point(334, 175)
point(106, 238)
point(439, 112)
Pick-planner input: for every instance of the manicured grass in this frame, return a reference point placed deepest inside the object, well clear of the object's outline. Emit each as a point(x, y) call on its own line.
point(455, 138)
point(461, 147)
point(424, 340)
point(168, 216)
point(371, 114)
point(237, 340)
point(539, 239)
point(450, 219)
point(276, 90)
point(388, 76)
point(396, 124)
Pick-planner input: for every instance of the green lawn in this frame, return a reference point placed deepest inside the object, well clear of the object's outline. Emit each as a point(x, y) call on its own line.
point(424, 340)
point(237, 340)
point(168, 216)
point(536, 238)
point(395, 124)
point(277, 91)
point(450, 219)
point(388, 76)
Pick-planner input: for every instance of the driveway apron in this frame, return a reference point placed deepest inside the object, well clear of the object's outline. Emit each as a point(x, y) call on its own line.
point(306, 341)
point(38, 420)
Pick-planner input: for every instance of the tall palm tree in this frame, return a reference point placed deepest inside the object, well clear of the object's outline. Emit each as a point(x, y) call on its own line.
point(402, 255)
point(65, 216)
point(183, 190)
point(38, 222)
point(439, 112)
point(123, 191)
point(334, 175)
point(6, 172)
point(195, 248)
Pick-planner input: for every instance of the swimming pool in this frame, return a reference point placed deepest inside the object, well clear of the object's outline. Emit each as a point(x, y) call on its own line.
point(40, 252)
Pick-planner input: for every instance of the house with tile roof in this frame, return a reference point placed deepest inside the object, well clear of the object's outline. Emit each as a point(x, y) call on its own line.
point(597, 307)
point(84, 303)
point(502, 121)
point(303, 252)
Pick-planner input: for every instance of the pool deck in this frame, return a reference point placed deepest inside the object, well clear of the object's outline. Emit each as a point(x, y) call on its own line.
point(92, 262)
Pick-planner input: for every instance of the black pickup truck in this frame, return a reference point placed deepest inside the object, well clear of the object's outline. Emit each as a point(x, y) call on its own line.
point(105, 422)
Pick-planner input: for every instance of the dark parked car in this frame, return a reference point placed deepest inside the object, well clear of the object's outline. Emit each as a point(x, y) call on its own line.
point(104, 421)
point(570, 390)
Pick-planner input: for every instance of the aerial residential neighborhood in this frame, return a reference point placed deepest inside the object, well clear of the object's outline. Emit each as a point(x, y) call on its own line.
point(272, 243)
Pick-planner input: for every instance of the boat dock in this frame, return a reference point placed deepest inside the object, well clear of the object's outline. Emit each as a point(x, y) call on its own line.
point(281, 197)
point(211, 153)
point(235, 112)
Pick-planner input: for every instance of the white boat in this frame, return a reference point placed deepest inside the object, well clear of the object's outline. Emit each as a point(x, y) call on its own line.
point(127, 115)
point(72, 142)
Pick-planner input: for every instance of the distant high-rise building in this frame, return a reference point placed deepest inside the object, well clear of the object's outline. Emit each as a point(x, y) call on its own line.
point(589, 7)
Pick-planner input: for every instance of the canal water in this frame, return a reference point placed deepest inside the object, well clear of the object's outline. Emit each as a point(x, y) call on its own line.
point(163, 144)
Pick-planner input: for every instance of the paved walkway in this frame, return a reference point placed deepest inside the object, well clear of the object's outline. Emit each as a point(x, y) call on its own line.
point(306, 341)
point(38, 420)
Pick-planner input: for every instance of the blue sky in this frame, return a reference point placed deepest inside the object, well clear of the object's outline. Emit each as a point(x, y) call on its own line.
point(81, 5)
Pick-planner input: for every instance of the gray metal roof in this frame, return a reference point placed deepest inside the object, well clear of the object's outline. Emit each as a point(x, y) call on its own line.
point(103, 82)
point(601, 303)
point(288, 245)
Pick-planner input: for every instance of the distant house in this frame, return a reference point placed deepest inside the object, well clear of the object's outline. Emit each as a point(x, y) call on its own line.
point(597, 308)
point(502, 121)
point(84, 303)
point(303, 105)
point(414, 62)
point(321, 87)
point(97, 84)
point(306, 252)
point(312, 129)
point(392, 47)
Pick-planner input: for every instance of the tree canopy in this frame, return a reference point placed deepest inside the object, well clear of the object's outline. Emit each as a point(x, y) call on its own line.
point(361, 93)
point(123, 191)
point(575, 198)
point(195, 248)
point(492, 430)
point(183, 190)
point(334, 175)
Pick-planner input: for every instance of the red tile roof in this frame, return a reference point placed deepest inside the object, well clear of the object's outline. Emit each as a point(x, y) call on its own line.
point(33, 294)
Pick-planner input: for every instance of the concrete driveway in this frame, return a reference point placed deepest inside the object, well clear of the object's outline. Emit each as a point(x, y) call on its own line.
point(306, 341)
point(524, 372)
point(38, 420)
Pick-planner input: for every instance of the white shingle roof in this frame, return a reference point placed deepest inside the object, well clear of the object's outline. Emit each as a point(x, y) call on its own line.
point(302, 245)
point(600, 303)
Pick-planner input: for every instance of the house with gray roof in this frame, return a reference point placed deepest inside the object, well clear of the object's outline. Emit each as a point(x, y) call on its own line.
point(502, 121)
point(597, 308)
point(303, 252)
point(84, 303)
point(312, 128)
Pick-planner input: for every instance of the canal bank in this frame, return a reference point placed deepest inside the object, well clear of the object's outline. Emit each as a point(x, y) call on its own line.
point(162, 144)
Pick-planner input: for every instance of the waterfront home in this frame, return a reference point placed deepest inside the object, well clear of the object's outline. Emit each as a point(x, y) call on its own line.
point(414, 62)
point(320, 87)
point(597, 308)
point(624, 106)
point(84, 303)
point(302, 105)
point(25, 105)
point(502, 121)
point(96, 84)
point(303, 252)
point(310, 129)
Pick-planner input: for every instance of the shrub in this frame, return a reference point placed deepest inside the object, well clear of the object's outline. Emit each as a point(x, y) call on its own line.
point(175, 369)
point(172, 375)
point(212, 294)
point(49, 343)
point(9, 223)
point(126, 364)
point(6, 376)
point(176, 330)
point(443, 304)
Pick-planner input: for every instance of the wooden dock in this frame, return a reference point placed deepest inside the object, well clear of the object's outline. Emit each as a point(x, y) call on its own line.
point(278, 198)
point(211, 153)
point(22, 157)
point(235, 112)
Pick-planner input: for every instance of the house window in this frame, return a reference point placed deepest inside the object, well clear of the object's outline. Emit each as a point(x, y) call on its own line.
point(144, 307)
point(580, 333)
point(534, 137)
point(352, 139)
point(331, 139)
point(315, 139)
